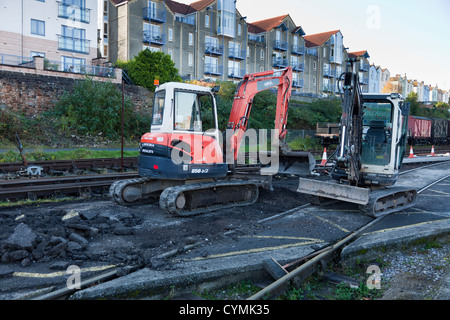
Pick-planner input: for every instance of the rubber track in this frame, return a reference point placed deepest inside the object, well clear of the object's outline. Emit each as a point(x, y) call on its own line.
point(116, 189)
point(167, 200)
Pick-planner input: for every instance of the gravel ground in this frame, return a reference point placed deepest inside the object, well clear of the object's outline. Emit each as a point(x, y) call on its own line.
point(416, 273)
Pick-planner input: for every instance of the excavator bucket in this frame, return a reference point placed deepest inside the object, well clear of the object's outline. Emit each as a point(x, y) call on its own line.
point(334, 190)
point(293, 162)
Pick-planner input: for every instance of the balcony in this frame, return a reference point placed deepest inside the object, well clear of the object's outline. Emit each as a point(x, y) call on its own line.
point(73, 44)
point(364, 66)
point(236, 53)
point(280, 45)
point(213, 48)
point(154, 15)
point(298, 50)
point(298, 83)
point(327, 72)
point(74, 13)
point(327, 88)
point(213, 69)
point(153, 37)
point(279, 62)
point(297, 66)
point(236, 73)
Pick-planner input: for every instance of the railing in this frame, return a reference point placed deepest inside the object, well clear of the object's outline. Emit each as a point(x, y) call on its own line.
point(154, 15)
point(12, 60)
point(364, 66)
point(126, 78)
point(280, 45)
point(297, 66)
point(213, 48)
point(153, 37)
point(256, 38)
point(236, 73)
point(213, 69)
point(279, 62)
point(298, 83)
point(73, 44)
point(107, 72)
point(74, 13)
point(327, 72)
point(296, 49)
point(236, 53)
point(186, 19)
point(311, 51)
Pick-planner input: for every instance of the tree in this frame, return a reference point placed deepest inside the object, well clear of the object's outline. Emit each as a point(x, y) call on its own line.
point(388, 88)
point(148, 66)
point(414, 107)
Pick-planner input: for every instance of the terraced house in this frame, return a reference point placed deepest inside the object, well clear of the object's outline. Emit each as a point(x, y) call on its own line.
point(325, 57)
point(206, 39)
point(277, 43)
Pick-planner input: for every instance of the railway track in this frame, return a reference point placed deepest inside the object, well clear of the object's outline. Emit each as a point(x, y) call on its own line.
point(70, 185)
point(71, 165)
point(300, 267)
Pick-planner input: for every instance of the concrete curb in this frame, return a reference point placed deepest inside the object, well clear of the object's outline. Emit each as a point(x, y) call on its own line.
point(188, 276)
point(373, 245)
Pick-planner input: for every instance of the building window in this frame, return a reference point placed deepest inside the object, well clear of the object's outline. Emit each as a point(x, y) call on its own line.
point(38, 27)
point(226, 17)
point(190, 60)
point(207, 21)
point(262, 54)
point(191, 39)
point(171, 54)
point(73, 39)
point(211, 65)
point(248, 51)
point(314, 66)
point(239, 29)
point(170, 34)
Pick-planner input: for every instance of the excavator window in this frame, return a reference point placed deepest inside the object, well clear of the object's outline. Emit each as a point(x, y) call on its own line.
point(158, 108)
point(377, 122)
point(193, 111)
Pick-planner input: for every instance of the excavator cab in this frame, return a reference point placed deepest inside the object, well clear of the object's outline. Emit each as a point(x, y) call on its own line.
point(383, 140)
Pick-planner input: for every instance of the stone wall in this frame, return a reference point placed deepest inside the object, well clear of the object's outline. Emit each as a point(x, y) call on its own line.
point(32, 94)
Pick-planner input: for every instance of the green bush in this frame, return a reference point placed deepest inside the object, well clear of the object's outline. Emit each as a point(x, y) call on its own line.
point(95, 107)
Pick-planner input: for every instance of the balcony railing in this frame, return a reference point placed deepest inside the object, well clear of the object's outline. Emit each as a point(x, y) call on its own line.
point(107, 72)
point(186, 19)
point(73, 44)
point(327, 72)
point(279, 62)
point(74, 13)
point(256, 38)
point(236, 53)
point(213, 48)
point(12, 60)
point(236, 73)
point(213, 69)
point(297, 66)
point(298, 83)
point(299, 50)
point(154, 15)
point(153, 37)
point(327, 87)
point(280, 45)
point(364, 67)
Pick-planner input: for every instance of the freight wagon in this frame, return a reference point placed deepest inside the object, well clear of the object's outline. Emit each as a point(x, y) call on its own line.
point(439, 131)
point(419, 130)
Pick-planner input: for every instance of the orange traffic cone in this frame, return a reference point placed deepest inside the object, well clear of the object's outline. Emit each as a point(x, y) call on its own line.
point(324, 157)
point(432, 151)
point(411, 153)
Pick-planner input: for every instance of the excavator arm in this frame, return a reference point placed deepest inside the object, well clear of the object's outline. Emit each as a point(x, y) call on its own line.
point(243, 101)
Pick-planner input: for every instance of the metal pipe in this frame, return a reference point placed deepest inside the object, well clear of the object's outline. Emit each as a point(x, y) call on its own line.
point(277, 284)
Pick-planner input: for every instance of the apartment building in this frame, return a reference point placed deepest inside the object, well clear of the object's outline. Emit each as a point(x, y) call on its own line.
point(362, 67)
point(374, 78)
point(206, 39)
point(384, 78)
point(277, 43)
point(64, 32)
point(325, 62)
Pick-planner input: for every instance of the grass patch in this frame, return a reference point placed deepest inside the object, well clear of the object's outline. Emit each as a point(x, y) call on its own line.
point(83, 153)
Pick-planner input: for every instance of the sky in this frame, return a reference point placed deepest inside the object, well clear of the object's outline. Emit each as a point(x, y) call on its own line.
point(409, 37)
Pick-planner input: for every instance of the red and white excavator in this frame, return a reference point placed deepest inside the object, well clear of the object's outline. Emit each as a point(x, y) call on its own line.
point(184, 162)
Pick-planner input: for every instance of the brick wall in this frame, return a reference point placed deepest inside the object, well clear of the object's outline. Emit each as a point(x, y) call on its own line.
point(32, 94)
